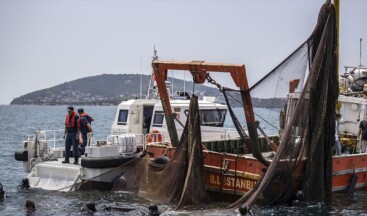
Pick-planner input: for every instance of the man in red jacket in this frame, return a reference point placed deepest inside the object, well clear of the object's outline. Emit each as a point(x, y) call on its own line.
point(71, 132)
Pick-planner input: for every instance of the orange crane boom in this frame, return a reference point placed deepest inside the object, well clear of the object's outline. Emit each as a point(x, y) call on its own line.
point(198, 70)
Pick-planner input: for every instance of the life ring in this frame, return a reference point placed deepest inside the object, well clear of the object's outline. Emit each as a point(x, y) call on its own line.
point(154, 136)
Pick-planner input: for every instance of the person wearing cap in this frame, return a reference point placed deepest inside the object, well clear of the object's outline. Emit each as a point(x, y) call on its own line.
point(71, 134)
point(85, 128)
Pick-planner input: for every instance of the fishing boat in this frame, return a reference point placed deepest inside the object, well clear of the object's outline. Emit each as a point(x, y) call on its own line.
point(230, 169)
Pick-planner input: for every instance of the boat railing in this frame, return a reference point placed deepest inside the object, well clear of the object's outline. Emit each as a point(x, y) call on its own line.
point(348, 122)
point(230, 129)
point(137, 140)
point(52, 137)
point(90, 139)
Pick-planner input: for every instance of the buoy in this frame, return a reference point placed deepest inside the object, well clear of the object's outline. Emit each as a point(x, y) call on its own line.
point(30, 206)
point(24, 184)
point(91, 207)
point(243, 210)
point(153, 210)
point(300, 195)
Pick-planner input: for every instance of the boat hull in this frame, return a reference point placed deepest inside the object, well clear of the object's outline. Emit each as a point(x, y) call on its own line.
point(234, 174)
point(345, 166)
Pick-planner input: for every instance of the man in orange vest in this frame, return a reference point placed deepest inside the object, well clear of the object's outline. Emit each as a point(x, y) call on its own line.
point(71, 132)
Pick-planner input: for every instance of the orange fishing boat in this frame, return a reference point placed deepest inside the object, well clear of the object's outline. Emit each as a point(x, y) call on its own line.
point(230, 169)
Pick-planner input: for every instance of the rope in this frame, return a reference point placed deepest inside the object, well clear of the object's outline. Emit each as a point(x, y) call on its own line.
point(226, 89)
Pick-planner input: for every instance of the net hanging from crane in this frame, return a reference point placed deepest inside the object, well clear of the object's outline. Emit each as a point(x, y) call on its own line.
point(305, 150)
point(180, 181)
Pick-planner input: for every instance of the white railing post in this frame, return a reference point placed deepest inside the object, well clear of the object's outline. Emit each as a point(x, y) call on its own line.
point(54, 139)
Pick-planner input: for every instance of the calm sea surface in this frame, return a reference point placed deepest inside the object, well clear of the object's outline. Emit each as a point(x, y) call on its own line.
point(16, 122)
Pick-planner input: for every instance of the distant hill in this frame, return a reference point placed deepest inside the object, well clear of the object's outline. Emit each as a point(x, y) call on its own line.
point(106, 89)
point(111, 89)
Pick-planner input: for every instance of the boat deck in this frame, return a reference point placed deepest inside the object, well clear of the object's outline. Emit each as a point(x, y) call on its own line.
point(54, 175)
point(58, 162)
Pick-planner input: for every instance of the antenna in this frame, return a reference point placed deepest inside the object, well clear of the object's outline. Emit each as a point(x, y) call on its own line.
point(154, 58)
point(184, 87)
point(172, 83)
point(141, 77)
point(360, 51)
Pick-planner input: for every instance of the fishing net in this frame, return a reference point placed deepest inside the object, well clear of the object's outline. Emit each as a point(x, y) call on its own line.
point(251, 147)
point(179, 181)
point(304, 157)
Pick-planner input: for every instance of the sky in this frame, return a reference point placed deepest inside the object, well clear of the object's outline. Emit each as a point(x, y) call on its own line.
point(46, 43)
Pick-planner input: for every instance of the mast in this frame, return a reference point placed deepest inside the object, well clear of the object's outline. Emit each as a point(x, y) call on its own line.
point(141, 77)
point(154, 58)
point(360, 52)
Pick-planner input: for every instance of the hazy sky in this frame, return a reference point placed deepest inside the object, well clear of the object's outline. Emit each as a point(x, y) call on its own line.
point(46, 43)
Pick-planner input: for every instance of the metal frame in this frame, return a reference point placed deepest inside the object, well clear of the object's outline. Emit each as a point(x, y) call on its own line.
point(198, 70)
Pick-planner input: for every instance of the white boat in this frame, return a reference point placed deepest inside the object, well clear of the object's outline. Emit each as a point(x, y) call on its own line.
point(43, 153)
point(137, 123)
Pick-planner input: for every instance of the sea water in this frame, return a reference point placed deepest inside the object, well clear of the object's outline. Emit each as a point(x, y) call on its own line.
point(16, 122)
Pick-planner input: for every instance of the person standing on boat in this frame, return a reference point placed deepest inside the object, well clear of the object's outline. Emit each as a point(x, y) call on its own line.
point(363, 131)
point(337, 143)
point(85, 128)
point(71, 134)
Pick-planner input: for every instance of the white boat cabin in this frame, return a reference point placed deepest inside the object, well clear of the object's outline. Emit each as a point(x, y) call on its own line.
point(142, 116)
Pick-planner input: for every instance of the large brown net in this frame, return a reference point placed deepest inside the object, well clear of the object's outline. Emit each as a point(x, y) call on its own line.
point(304, 157)
point(180, 181)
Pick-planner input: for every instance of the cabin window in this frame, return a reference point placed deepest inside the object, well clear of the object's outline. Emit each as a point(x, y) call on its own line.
point(158, 119)
point(122, 120)
point(211, 117)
